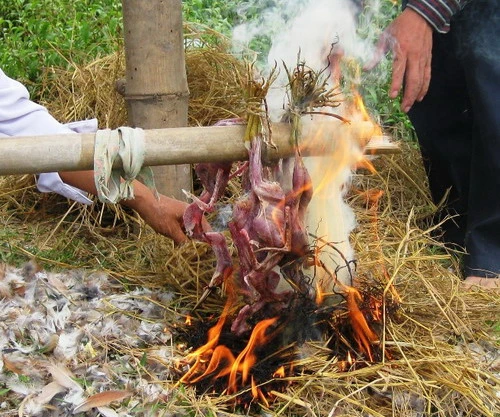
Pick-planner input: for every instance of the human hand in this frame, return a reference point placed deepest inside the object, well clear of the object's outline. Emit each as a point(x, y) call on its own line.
point(165, 216)
point(409, 37)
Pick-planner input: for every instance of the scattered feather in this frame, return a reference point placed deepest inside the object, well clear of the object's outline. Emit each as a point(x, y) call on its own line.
point(35, 404)
point(108, 412)
point(64, 377)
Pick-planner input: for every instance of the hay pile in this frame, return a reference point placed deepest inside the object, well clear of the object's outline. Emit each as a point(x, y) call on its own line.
point(125, 290)
point(87, 91)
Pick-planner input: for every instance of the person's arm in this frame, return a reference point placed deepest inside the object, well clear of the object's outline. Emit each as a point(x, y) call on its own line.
point(19, 116)
point(163, 214)
point(409, 37)
point(437, 13)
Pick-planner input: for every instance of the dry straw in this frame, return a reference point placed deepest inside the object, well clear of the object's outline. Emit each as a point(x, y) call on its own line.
point(444, 351)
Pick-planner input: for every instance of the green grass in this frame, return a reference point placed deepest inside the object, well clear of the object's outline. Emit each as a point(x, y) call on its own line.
point(19, 245)
point(495, 327)
point(42, 33)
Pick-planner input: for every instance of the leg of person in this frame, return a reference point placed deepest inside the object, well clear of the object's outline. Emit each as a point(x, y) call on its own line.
point(477, 44)
point(443, 123)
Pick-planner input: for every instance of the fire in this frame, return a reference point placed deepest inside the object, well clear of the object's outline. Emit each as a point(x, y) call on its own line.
point(235, 372)
point(329, 217)
point(360, 106)
point(359, 110)
point(214, 360)
point(234, 369)
point(279, 373)
point(363, 333)
point(210, 352)
point(246, 359)
point(320, 294)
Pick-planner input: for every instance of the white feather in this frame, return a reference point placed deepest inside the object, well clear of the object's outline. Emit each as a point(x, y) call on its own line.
point(68, 344)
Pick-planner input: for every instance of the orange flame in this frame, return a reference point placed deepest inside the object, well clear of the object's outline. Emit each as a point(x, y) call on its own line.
point(364, 335)
point(359, 105)
point(366, 164)
point(255, 389)
point(214, 361)
point(257, 393)
point(205, 353)
point(279, 373)
point(320, 294)
point(360, 109)
point(246, 359)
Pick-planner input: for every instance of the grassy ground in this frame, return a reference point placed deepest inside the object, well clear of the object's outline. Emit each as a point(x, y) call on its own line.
point(41, 36)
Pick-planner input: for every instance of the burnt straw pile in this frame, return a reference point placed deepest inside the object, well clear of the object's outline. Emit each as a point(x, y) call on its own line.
point(253, 370)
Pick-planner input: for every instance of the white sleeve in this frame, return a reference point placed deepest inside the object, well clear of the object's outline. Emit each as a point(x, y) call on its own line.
point(19, 116)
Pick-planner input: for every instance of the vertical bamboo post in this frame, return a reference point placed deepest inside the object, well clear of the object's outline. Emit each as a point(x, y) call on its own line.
point(156, 89)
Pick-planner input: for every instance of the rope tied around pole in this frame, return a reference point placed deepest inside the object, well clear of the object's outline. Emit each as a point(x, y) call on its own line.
point(128, 145)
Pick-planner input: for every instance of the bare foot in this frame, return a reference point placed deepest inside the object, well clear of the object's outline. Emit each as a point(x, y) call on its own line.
point(484, 283)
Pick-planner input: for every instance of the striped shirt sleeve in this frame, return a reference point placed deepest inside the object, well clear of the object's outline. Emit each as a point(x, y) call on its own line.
point(437, 12)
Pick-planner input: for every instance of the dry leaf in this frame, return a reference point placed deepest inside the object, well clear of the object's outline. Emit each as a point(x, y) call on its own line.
point(101, 399)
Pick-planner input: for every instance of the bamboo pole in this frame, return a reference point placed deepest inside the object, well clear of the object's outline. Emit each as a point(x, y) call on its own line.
point(171, 146)
point(156, 89)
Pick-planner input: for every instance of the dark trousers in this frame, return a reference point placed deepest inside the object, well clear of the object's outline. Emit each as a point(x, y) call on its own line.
point(458, 127)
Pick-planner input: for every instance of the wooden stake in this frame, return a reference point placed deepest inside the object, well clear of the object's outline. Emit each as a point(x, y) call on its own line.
point(156, 89)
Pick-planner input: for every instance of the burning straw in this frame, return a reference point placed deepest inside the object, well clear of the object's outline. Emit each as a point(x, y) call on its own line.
point(439, 347)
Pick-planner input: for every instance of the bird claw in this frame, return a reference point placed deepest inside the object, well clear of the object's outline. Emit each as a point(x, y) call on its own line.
point(203, 297)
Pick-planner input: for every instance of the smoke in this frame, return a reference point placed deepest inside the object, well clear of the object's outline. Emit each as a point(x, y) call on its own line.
point(308, 26)
point(309, 31)
point(316, 31)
